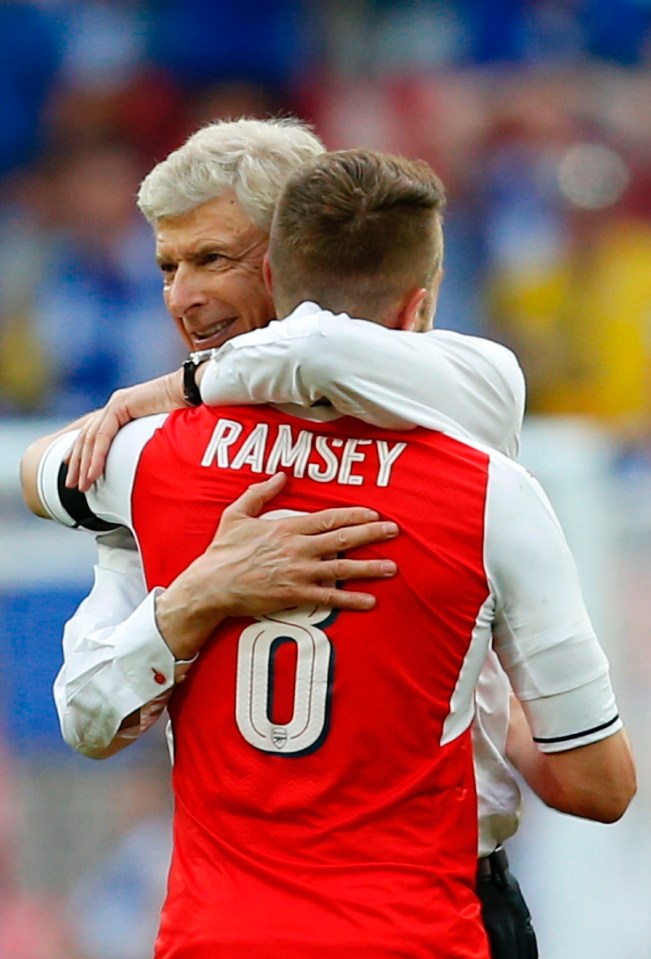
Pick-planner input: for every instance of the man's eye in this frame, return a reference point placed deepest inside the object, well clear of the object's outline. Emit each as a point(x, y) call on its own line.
point(208, 258)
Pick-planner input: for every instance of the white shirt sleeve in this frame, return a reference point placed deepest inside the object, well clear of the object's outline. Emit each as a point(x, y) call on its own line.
point(115, 659)
point(541, 629)
point(464, 385)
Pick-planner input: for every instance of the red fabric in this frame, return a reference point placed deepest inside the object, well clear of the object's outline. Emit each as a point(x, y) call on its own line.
point(363, 843)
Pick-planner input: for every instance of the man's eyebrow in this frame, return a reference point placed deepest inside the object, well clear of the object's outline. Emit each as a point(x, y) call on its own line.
point(202, 249)
point(211, 246)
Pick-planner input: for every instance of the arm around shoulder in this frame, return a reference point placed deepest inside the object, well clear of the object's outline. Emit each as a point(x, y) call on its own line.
point(395, 379)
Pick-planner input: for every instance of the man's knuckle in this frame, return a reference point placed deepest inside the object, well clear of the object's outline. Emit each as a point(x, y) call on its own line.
point(327, 521)
point(341, 539)
point(328, 596)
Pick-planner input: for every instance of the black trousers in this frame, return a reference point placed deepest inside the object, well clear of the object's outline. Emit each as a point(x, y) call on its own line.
point(505, 913)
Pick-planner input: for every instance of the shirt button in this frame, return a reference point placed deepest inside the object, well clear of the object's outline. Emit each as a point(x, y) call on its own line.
point(158, 677)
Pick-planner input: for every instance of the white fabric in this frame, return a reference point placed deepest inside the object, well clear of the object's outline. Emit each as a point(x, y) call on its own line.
point(48, 476)
point(464, 385)
point(498, 794)
point(115, 660)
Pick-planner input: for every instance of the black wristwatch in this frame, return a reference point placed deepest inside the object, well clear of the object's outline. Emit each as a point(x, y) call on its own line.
point(191, 393)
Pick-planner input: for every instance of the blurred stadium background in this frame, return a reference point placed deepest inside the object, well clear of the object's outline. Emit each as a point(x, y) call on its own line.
point(538, 117)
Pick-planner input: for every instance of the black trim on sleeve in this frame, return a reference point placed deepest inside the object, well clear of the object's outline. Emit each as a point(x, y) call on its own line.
point(585, 732)
point(76, 506)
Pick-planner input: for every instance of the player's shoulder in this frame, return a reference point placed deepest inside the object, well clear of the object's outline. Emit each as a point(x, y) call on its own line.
point(506, 477)
point(515, 495)
point(115, 484)
point(507, 472)
point(131, 439)
point(465, 344)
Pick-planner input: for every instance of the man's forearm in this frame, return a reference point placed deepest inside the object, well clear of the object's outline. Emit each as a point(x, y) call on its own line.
point(458, 383)
point(122, 652)
point(594, 782)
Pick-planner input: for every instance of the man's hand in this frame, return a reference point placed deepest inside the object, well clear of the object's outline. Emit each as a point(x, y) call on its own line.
point(88, 455)
point(255, 566)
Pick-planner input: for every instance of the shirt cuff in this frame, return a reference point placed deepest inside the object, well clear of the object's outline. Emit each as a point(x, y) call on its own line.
point(143, 655)
point(182, 667)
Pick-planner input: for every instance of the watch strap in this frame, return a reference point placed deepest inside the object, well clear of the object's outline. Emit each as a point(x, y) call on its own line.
point(191, 393)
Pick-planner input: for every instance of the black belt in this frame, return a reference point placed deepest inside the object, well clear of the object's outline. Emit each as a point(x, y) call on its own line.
point(493, 867)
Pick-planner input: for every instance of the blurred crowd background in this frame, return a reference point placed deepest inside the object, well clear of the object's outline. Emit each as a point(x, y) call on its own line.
point(537, 115)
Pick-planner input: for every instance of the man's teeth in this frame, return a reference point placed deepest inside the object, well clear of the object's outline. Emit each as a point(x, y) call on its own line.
point(214, 330)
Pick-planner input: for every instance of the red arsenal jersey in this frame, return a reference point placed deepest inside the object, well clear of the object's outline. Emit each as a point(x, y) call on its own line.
point(325, 801)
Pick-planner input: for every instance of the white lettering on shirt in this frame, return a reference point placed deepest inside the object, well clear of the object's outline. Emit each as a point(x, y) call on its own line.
point(286, 452)
point(252, 449)
point(334, 459)
point(224, 435)
point(328, 474)
point(350, 456)
point(387, 456)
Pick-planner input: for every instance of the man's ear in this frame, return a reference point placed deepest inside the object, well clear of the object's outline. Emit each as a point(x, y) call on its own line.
point(409, 315)
point(420, 306)
point(266, 274)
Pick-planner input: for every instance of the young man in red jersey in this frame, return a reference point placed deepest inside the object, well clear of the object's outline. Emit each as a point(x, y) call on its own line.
point(324, 785)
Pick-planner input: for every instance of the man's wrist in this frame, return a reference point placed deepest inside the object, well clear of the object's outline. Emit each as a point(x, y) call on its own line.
point(184, 623)
point(191, 376)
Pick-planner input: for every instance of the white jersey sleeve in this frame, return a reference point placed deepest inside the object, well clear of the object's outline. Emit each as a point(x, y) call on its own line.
point(463, 385)
point(107, 504)
point(541, 629)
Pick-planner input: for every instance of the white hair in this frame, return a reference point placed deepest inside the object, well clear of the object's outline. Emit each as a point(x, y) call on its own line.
point(254, 158)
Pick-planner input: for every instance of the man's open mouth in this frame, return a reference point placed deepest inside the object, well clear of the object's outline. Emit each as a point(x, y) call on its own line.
point(209, 337)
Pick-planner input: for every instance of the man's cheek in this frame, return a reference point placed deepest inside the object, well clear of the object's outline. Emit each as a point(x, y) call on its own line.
point(178, 323)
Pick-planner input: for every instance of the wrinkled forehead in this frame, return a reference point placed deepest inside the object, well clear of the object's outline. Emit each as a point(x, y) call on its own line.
point(221, 222)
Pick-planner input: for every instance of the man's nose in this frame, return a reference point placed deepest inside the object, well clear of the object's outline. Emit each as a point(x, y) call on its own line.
point(186, 290)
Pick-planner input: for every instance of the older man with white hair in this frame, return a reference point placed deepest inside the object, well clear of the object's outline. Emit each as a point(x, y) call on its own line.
point(210, 204)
